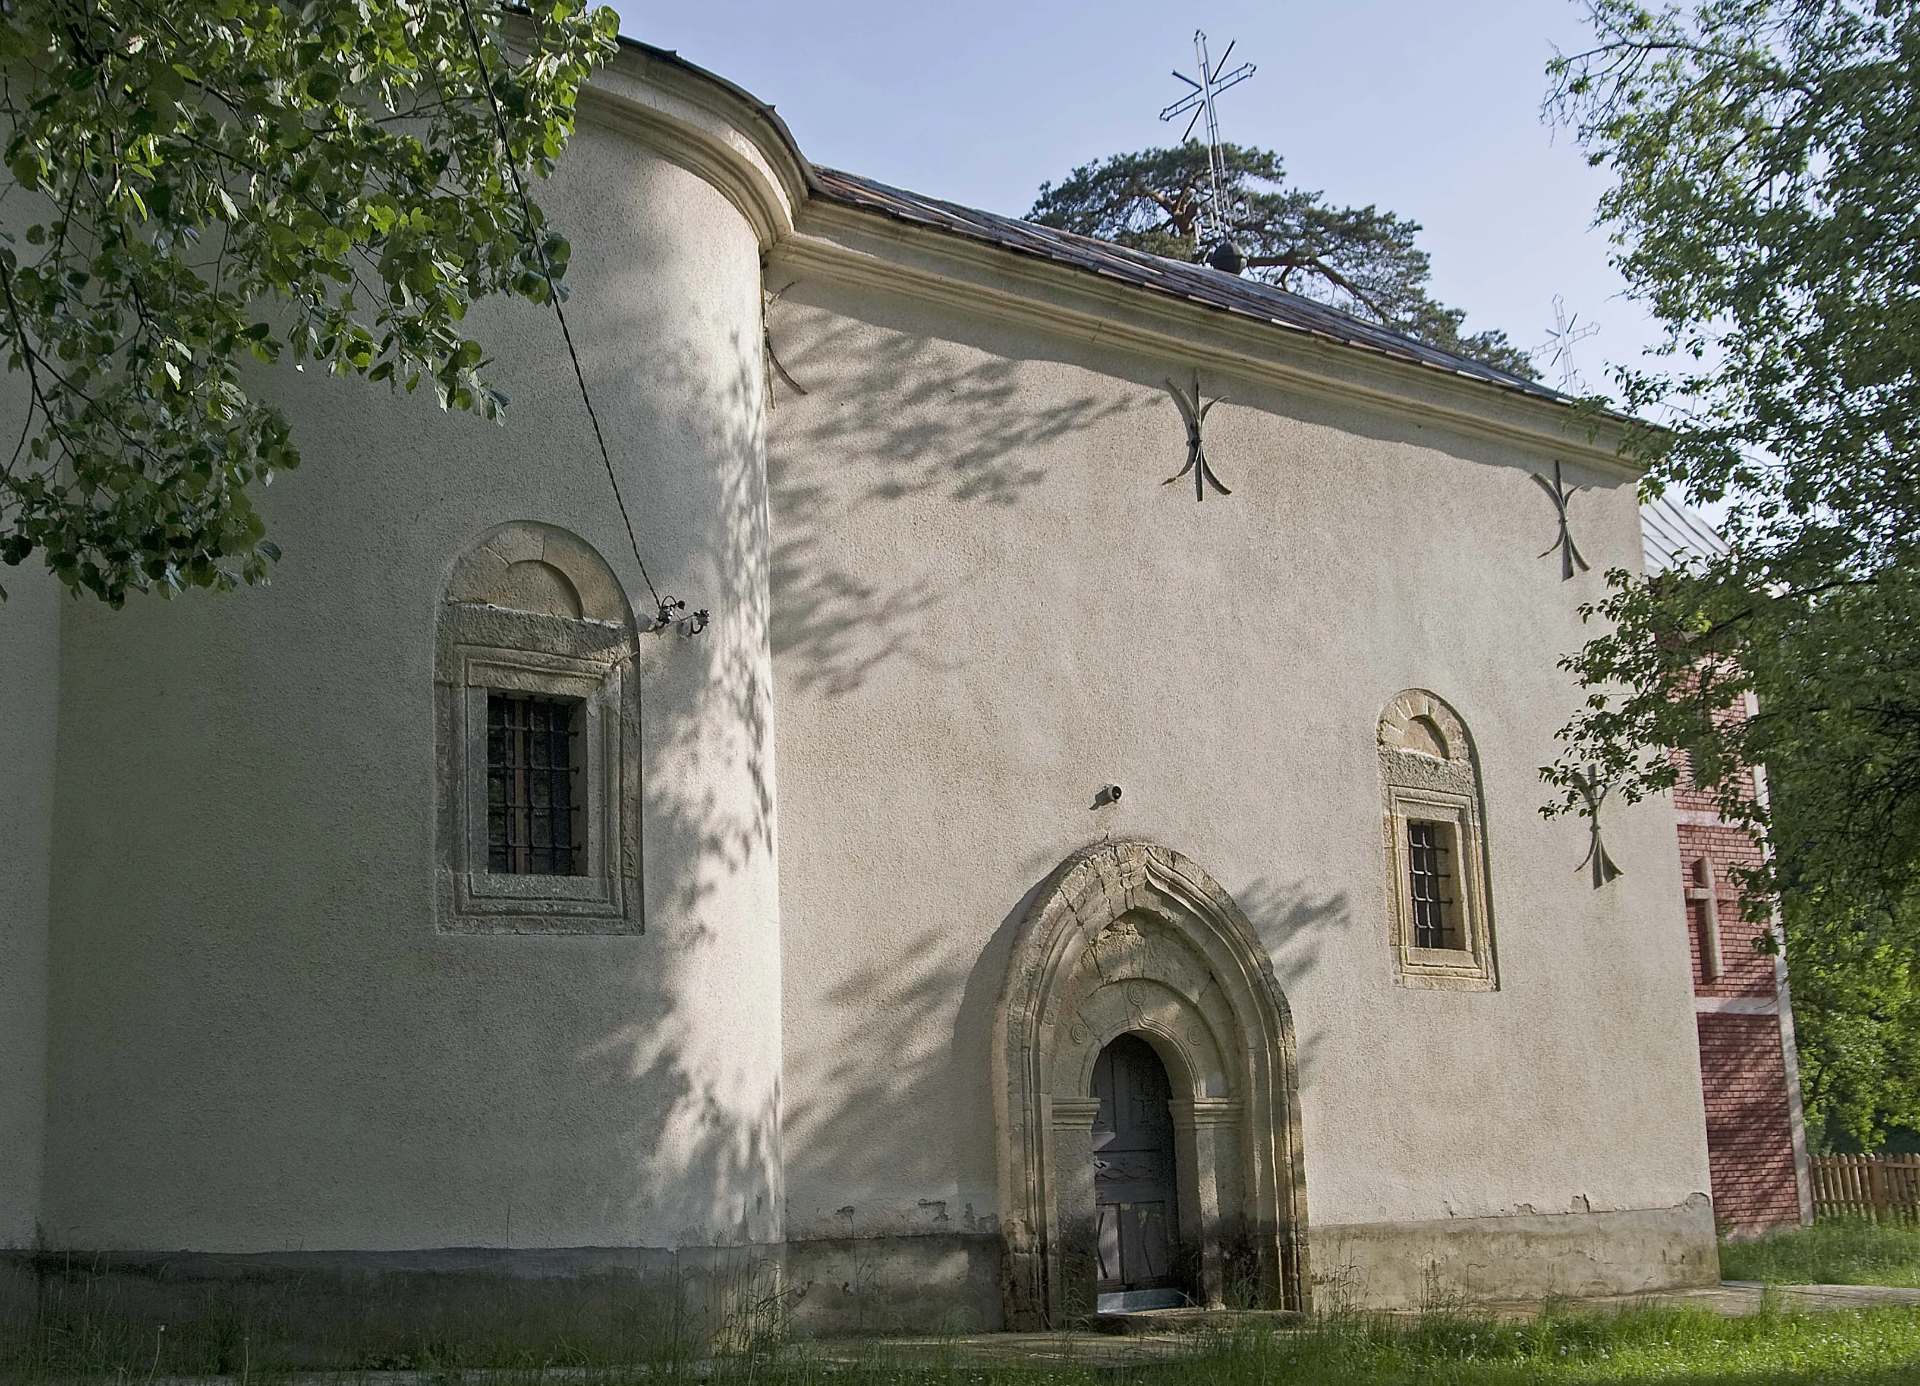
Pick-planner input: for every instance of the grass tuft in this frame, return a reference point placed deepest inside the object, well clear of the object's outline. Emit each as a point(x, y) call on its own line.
point(1838, 1251)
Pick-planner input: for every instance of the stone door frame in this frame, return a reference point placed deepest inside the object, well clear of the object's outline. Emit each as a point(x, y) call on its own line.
point(1131, 937)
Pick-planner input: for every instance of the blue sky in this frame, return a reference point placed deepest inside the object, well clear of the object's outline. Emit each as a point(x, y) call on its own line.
point(1431, 110)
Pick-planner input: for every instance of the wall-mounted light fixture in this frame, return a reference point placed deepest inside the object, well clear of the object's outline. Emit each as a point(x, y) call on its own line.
point(673, 615)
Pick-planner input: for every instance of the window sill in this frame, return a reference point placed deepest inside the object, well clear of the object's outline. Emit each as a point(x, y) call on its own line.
point(487, 904)
point(1445, 959)
point(485, 885)
point(1445, 969)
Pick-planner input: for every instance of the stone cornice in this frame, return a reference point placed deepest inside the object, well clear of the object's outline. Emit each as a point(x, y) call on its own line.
point(740, 146)
point(859, 248)
point(707, 126)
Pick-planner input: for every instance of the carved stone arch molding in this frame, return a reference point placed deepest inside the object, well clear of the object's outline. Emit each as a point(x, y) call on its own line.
point(1133, 938)
point(527, 566)
point(533, 612)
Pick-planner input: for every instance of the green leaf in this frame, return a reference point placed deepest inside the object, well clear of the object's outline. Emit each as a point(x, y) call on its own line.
point(165, 83)
point(1765, 202)
point(219, 156)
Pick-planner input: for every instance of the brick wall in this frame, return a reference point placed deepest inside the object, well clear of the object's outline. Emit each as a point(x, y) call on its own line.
point(1743, 1069)
point(1749, 1129)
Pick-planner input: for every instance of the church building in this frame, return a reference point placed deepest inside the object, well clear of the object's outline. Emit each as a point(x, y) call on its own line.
point(1078, 845)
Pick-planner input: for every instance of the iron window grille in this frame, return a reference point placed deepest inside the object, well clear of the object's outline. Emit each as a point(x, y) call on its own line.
point(1429, 845)
point(532, 766)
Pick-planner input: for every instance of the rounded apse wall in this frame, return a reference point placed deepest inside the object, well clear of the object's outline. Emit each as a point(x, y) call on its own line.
point(265, 1034)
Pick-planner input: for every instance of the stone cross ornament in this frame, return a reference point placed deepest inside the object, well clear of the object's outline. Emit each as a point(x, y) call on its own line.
point(1560, 493)
point(1592, 789)
point(1193, 411)
point(774, 367)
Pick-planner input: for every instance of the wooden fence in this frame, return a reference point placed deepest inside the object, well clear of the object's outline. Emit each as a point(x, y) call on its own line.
point(1880, 1187)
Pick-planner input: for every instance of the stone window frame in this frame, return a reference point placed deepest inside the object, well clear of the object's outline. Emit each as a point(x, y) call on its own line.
point(579, 647)
point(1430, 773)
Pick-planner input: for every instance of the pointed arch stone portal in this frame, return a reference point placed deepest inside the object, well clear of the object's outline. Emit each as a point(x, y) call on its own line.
point(1132, 938)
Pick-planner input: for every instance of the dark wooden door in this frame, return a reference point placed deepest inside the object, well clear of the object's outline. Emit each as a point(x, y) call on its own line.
point(1133, 1188)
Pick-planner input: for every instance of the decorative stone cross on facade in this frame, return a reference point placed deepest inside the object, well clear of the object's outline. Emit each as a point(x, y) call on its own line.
point(1560, 493)
point(766, 341)
point(1193, 410)
point(1589, 786)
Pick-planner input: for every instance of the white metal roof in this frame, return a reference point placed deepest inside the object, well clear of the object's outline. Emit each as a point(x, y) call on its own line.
point(1670, 533)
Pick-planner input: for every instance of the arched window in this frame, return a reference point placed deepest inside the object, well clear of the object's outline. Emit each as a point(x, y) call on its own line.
point(538, 731)
point(1438, 905)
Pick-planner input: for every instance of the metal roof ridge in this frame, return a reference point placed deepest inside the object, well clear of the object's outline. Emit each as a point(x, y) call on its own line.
point(1200, 284)
point(1176, 278)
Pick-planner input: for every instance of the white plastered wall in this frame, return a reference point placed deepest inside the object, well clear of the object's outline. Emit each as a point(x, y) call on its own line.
point(987, 605)
point(260, 1042)
point(29, 686)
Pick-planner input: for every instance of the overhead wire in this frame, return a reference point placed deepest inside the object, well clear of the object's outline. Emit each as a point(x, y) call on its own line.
point(664, 605)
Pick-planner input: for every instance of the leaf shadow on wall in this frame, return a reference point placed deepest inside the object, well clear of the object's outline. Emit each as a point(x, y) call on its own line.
point(697, 1160)
point(923, 428)
point(491, 1090)
point(901, 1106)
point(1296, 923)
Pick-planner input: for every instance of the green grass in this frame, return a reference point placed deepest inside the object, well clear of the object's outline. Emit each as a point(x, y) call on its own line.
point(1873, 1348)
point(1679, 1346)
point(1839, 1252)
point(71, 1325)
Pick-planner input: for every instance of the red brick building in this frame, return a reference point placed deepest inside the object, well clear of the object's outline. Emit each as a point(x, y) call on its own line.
point(1749, 1069)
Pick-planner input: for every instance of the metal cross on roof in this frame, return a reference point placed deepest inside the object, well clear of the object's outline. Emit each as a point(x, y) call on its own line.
point(1587, 782)
point(1193, 412)
point(1558, 348)
point(1560, 493)
point(1200, 101)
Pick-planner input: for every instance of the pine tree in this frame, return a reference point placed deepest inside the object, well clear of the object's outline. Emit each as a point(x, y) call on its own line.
point(1360, 260)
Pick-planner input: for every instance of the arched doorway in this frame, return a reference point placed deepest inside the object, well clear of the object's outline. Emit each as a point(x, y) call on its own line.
point(1130, 939)
point(1136, 1199)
